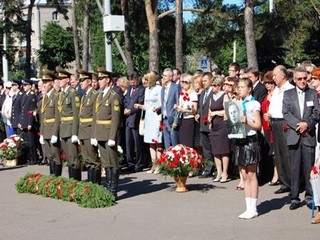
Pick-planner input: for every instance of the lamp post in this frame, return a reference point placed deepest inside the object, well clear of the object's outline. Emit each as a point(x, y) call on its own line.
point(4, 39)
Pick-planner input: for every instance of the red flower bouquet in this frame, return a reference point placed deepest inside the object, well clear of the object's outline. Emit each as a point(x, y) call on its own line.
point(10, 146)
point(179, 160)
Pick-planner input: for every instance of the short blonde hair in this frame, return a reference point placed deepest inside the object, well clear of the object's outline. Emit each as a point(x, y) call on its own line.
point(152, 77)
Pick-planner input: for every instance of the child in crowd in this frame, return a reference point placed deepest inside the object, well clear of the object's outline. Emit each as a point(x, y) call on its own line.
point(247, 152)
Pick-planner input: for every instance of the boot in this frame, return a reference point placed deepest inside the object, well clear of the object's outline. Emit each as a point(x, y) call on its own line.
point(51, 167)
point(108, 178)
point(96, 175)
point(70, 172)
point(114, 182)
point(76, 174)
point(90, 174)
point(57, 170)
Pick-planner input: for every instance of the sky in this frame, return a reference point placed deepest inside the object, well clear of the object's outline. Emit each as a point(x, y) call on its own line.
point(237, 2)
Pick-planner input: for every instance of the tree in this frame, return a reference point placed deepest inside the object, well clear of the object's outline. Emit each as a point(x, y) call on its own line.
point(28, 33)
point(151, 7)
point(57, 46)
point(75, 34)
point(249, 34)
point(178, 35)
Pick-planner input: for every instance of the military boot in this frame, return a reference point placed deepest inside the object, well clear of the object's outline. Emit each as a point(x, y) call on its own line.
point(57, 169)
point(76, 173)
point(114, 182)
point(108, 178)
point(51, 167)
point(96, 173)
point(90, 174)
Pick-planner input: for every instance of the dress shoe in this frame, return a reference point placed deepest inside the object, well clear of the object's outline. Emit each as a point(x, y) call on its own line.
point(308, 203)
point(294, 205)
point(138, 169)
point(128, 169)
point(204, 174)
point(276, 183)
point(282, 190)
point(316, 219)
point(217, 179)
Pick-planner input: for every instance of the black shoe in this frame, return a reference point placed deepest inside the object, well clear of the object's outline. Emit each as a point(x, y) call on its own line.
point(294, 205)
point(309, 204)
point(128, 169)
point(138, 169)
point(205, 174)
point(282, 190)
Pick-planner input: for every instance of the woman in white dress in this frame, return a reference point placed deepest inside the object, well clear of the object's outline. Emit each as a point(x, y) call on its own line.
point(152, 120)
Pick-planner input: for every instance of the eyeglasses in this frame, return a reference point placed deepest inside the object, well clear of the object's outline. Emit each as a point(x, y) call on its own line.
point(301, 78)
point(228, 84)
point(314, 78)
point(186, 82)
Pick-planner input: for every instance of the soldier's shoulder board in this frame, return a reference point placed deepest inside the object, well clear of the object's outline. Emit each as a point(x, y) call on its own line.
point(77, 98)
point(72, 90)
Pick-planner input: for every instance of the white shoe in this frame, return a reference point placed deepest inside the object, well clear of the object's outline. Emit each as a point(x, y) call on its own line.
point(150, 171)
point(248, 214)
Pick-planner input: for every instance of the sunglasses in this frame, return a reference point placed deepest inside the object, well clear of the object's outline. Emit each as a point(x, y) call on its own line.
point(83, 79)
point(314, 78)
point(186, 82)
point(215, 85)
point(301, 78)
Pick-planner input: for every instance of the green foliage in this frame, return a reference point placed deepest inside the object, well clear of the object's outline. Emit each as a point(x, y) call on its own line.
point(57, 47)
point(85, 194)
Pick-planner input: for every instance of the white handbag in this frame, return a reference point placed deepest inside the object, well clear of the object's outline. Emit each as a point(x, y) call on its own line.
point(141, 123)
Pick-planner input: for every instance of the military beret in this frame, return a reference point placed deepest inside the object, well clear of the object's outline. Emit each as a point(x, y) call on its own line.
point(316, 73)
point(62, 73)
point(84, 74)
point(48, 75)
point(103, 73)
point(27, 82)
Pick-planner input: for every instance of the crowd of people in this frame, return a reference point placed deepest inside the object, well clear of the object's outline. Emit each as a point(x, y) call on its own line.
point(239, 119)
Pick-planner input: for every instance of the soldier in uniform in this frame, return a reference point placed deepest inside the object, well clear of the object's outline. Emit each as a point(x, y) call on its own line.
point(49, 125)
point(27, 120)
point(107, 120)
point(16, 105)
point(87, 108)
point(68, 107)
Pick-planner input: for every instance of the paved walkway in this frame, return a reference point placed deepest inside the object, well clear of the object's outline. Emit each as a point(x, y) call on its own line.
point(148, 208)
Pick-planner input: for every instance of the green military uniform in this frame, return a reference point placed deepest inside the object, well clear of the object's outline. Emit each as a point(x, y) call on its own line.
point(86, 114)
point(107, 121)
point(49, 125)
point(68, 106)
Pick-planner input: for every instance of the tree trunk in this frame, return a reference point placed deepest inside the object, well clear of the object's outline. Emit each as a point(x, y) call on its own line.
point(85, 56)
point(151, 11)
point(28, 41)
point(127, 36)
point(178, 36)
point(249, 35)
point(75, 34)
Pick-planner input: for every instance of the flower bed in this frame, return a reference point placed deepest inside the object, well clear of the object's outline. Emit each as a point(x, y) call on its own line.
point(85, 194)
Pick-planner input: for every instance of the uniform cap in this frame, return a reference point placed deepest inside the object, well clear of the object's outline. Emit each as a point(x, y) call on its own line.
point(103, 73)
point(84, 74)
point(16, 81)
point(7, 84)
point(48, 75)
point(27, 82)
point(316, 73)
point(62, 73)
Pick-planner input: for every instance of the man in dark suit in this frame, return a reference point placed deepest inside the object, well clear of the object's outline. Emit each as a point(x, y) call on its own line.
point(259, 90)
point(86, 113)
point(299, 104)
point(202, 117)
point(169, 98)
point(106, 124)
point(134, 141)
point(68, 108)
point(27, 120)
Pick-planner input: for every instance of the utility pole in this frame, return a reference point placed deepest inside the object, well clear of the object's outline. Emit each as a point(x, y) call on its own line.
point(108, 38)
point(271, 6)
point(5, 68)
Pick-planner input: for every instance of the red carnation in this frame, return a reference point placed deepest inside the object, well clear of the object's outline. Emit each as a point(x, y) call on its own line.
point(284, 127)
point(318, 94)
point(315, 170)
point(154, 141)
point(29, 112)
point(205, 120)
point(181, 93)
point(162, 126)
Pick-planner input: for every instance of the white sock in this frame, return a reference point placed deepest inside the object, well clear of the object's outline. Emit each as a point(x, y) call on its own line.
point(254, 204)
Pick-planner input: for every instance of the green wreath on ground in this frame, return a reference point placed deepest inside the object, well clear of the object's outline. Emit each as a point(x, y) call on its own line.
point(85, 194)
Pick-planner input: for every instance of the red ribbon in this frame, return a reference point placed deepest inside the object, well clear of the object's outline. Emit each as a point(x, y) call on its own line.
point(59, 192)
point(72, 189)
point(47, 185)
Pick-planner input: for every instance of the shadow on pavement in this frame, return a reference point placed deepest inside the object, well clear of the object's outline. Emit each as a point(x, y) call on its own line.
point(273, 204)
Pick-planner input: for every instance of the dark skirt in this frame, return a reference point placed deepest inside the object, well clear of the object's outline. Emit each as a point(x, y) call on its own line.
point(197, 142)
point(186, 132)
point(246, 151)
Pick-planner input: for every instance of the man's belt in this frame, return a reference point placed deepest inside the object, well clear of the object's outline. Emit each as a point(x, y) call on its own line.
point(85, 120)
point(103, 122)
point(66, 119)
point(49, 120)
point(277, 119)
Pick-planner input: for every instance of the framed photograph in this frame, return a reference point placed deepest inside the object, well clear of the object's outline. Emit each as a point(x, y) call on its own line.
point(235, 128)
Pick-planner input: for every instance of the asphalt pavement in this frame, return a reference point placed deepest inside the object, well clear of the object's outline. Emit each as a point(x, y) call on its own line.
point(148, 208)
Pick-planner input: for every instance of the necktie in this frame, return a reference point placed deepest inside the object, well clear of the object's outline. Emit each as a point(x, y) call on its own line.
point(205, 97)
point(301, 102)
